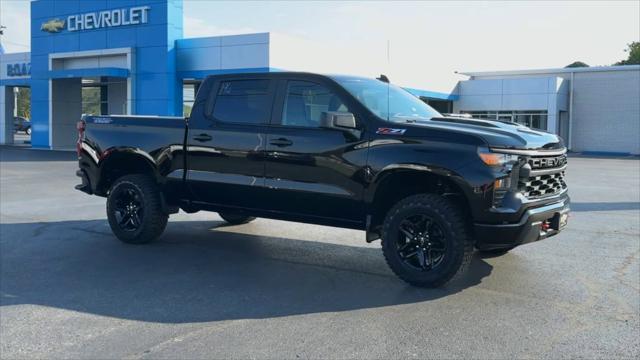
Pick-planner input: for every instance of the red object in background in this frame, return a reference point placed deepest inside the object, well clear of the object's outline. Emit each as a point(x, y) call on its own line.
point(80, 126)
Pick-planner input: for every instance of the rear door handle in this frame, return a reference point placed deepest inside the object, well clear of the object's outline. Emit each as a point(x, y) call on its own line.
point(281, 142)
point(202, 137)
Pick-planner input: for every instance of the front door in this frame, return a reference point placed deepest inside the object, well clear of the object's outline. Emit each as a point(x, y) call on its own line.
point(226, 143)
point(310, 170)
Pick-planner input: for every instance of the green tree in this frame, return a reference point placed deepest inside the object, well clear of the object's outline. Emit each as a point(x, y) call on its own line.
point(576, 64)
point(91, 100)
point(24, 102)
point(186, 110)
point(634, 54)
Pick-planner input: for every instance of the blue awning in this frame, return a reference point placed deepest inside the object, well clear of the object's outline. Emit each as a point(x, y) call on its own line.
point(92, 72)
point(15, 82)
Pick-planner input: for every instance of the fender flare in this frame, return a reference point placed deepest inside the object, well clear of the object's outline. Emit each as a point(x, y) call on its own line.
point(393, 169)
point(390, 170)
point(108, 156)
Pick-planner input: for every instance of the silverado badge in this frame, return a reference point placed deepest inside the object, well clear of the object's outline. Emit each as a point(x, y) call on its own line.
point(53, 26)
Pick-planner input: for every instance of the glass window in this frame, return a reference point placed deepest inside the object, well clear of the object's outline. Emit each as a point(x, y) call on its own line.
point(536, 119)
point(188, 97)
point(387, 101)
point(523, 119)
point(539, 121)
point(92, 102)
point(243, 101)
point(306, 101)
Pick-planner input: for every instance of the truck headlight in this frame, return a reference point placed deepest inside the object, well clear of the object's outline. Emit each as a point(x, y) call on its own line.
point(496, 159)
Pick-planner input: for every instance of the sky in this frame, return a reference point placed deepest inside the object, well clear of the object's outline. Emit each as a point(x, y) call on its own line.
point(416, 44)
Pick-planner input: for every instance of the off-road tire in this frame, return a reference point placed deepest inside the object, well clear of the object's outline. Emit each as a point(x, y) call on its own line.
point(459, 248)
point(236, 219)
point(154, 219)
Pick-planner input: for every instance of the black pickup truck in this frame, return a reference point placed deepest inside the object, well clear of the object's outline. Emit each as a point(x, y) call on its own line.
point(342, 151)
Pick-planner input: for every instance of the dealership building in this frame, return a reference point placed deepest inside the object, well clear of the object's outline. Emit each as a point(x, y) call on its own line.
point(132, 57)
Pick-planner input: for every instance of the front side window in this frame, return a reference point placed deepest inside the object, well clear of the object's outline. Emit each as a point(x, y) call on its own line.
point(387, 101)
point(243, 101)
point(306, 101)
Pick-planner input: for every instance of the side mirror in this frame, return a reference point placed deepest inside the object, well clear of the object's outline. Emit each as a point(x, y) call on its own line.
point(338, 120)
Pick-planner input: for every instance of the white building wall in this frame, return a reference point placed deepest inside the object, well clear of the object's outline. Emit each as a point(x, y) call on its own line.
point(606, 111)
point(542, 93)
point(223, 52)
point(606, 103)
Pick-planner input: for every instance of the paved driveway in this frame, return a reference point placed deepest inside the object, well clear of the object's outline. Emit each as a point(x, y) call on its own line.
point(274, 289)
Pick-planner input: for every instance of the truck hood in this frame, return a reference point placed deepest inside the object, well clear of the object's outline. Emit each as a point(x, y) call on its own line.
point(496, 134)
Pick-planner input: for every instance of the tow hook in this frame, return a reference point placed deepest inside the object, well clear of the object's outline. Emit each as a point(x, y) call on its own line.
point(545, 225)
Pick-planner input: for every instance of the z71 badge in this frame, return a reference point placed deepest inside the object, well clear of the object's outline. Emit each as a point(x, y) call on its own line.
point(390, 131)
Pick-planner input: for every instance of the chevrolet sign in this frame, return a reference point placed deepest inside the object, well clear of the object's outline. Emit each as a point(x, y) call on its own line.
point(53, 26)
point(99, 20)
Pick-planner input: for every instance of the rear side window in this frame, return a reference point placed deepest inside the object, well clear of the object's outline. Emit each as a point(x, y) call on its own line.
point(243, 101)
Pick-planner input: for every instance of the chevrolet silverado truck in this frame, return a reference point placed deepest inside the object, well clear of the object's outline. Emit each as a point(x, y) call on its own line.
point(341, 151)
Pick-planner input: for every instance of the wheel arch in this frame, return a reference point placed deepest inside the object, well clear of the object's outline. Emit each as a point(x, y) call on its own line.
point(120, 162)
point(397, 182)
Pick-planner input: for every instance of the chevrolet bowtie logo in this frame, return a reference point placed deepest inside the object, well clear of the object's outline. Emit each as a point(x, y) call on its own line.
point(53, 26)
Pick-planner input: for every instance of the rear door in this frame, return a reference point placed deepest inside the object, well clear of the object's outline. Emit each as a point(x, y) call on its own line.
point(314, 171)
point(226, 142)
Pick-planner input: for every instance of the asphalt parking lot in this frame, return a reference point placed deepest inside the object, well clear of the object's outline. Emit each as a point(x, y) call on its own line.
point(273, 289)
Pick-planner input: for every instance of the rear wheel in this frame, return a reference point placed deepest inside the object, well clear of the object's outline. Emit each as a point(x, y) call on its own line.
point(134, 209)
point(425, 240)
point(235, 219)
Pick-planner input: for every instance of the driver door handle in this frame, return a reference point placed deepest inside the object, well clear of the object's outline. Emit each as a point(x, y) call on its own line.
point(202, 137)
point(281, 142)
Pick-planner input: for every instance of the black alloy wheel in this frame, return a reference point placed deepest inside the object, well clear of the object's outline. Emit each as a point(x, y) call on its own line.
point(134, 209)
point(425, 240)
point(420, 243)
point(128, 207)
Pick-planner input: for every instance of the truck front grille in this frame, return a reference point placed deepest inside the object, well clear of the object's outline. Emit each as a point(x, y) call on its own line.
point(541, 186)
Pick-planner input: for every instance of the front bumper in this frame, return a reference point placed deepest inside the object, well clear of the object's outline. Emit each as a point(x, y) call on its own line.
point(535, 224)
point(86, 183)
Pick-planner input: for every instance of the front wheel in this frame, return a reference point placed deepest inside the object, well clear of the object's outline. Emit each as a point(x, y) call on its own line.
point(28, 131)
point(134, 209)
point(425, 240)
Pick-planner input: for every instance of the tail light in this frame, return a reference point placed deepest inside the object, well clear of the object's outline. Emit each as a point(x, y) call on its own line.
point(80, 126)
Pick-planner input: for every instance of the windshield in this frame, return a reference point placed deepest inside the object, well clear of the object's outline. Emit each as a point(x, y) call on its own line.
point(387, 101)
